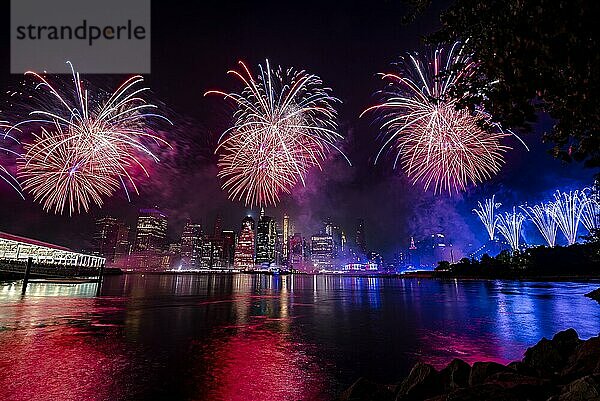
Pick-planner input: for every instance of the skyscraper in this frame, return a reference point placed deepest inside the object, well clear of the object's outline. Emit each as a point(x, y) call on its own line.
point(213, 247)
point(109, 238)
point(151, 233)
point(191, 246)
point(122, 247)
point(285, 245)
point(228, 237)
point(296, 256)
point(151, 230)
point(266, 236)
point(338, 237)
point(321, 251)
point(244, 250)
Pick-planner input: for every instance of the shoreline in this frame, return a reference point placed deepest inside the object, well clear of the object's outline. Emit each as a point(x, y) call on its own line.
point(423, 275)
point(420, 275)
point(564, 368)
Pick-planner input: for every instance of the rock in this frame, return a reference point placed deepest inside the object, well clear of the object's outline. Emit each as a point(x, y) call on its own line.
point(533, 388)
point(455, 375)
point(544, 358)
point(422, 382)
point(586, 388)
point(585, 360)
point(487, 392)
point(566, 342)
point(511, 379)
point(595, 295)
point(482, 370)
point(366, 390)
point(549, 357)
point(522, 368)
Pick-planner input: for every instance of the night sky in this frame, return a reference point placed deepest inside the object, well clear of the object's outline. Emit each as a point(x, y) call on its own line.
point(346, 44)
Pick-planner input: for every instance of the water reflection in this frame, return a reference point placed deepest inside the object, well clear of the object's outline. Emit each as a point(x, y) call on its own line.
point(250, 337)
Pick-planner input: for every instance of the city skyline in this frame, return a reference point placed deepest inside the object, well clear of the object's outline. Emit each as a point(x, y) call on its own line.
point(185, 183)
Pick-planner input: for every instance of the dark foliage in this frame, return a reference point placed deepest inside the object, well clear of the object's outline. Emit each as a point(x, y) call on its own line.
point(574, 260)
point(542, 56)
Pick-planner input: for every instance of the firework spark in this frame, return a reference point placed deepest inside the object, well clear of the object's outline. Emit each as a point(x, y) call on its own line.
point(567, 210)
point(5, 175)
point(487, 214)
point(509, 225)
point(590, 213)
point(64, 170)
point(284, 125)
point(436, 143)
point(86, 148)
point(543, 217)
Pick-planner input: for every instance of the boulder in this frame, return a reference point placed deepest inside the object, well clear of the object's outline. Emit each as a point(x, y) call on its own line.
point(482, 370)
point(565, 342)
point(455, 375)
point(544, 358)
point(512, 379)
point(422, 382)
point(522, 368)
point(533, 388)
point(595, 295)
point(481, 392)
point(585, 360)
point(366, 390)
point(586, 388)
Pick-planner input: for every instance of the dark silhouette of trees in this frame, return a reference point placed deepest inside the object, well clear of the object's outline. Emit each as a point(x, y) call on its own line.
point(533, 56)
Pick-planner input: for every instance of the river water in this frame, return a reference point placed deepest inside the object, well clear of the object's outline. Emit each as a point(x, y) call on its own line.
point(247, 337)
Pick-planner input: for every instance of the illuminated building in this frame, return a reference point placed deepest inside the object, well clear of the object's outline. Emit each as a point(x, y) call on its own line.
point(122, 246)
point(172, 257)
point(279, 248)
point(151, 233)
point(111, 240)
point(339, 239)
point(368, 266)
point(413, 255)
point(266, 236)
point(191, 246)
point(244, 249)
point(285, 245)
point(296, 251)
point(213, 248)
point(361, 244)
point(212, 254)
point(228, 237)
point(321, 251)
point(151, 230)
point(15, 249)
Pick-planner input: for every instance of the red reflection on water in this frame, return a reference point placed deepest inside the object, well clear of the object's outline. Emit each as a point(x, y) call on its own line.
point(439, 348)
point(258, 364)
point(48, 360)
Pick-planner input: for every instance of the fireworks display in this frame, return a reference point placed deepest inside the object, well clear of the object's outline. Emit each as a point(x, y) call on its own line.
point(5, 175)
point(509, 225)
point(85, 149)
point(590, 213)
point(66, 171)
point(567, 210)
point(487, 214)
point(542, 216)
point(436, 144)
point(284, 125)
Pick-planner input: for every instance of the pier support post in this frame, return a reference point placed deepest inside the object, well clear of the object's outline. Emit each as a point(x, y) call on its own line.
point(27, 273)
point(100, 276)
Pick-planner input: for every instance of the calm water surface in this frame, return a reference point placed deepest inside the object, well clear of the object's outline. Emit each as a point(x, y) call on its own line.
point(252, 337)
